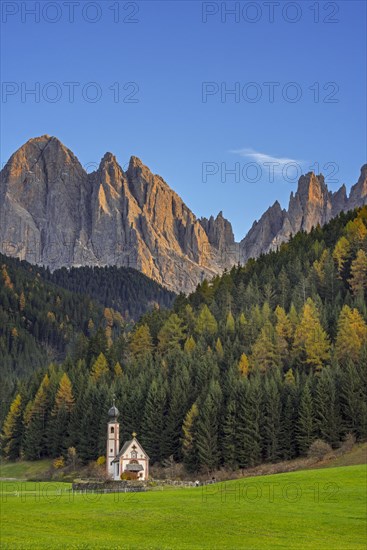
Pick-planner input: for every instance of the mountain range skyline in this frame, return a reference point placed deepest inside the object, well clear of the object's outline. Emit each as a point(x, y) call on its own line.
point(175, 126)
point(54, 213)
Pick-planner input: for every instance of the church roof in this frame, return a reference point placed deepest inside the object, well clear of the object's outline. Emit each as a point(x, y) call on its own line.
point(134, 467)
point(126, 446)
point(113, 413)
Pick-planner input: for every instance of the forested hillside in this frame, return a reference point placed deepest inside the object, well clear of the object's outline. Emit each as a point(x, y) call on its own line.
point(44, 316)
point(251, 367)
point(124, 289)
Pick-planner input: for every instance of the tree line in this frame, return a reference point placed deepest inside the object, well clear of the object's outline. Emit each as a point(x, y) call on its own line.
point(251, 367)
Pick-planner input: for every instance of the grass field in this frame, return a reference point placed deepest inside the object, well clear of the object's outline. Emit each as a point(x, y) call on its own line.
point(24, 469)
point(307, 509)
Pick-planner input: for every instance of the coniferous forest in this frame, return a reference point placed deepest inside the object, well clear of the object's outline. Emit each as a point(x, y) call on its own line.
point(253, 366)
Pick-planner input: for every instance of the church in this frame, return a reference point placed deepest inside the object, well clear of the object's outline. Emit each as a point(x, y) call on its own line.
point(131, 459)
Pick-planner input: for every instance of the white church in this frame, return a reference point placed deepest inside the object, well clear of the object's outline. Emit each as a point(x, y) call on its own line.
point(131, 459)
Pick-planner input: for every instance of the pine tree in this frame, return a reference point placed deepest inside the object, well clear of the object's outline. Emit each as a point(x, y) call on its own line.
point(287, 436)
point(100, 368)
point(207, 430)
point(141, 343)
point(190, 456)
point(351, 336)
point(264, 351)
point(311, 343)
point(229, 445)
point(230, 324)
point(190, 345)
point(87, 421)
point(358, 270)
point(35, 443)
point(11, 436)
point(58, 432)
point(352, 400)
point(171, 334)
point(284, 335)
point(327, 408)
point(219, 348)
point(341, 253)
point(21, 301)
point(118, 370)
point(64, 396)
point(206, 323)
point(249, 422)
point(153, 420)
point(306, 425)
point(178, 400)
point(272, 420)
point(243, 365)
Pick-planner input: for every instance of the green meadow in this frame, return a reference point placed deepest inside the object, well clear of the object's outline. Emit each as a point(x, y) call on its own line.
point(306, 509)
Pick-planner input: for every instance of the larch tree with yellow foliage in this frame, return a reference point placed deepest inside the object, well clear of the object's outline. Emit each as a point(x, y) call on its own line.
point(58, 434)
point(190, 345)
point(358, 271)
point(311, 343)
point(206, 323)
point(141, 343)
point(265, 354)
point(12, 430)
point(243, 365)
point(100, 368)
point(172, 334)
point(351, 335)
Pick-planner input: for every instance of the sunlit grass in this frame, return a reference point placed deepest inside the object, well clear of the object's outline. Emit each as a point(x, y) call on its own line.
point(307, 509)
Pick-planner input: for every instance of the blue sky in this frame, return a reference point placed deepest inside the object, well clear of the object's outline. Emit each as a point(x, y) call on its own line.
point(180, 58)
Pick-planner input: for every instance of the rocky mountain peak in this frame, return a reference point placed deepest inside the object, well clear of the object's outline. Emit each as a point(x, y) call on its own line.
point(358, 193)
point(53, 213)
point(310, 205)
point(108, 158)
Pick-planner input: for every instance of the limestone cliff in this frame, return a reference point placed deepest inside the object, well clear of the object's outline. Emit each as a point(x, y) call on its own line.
point(312, 204)
point(54, 213)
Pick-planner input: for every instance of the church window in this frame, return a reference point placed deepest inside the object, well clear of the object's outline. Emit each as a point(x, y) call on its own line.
point(112, 430)
point(134, 454)
point(111, 450)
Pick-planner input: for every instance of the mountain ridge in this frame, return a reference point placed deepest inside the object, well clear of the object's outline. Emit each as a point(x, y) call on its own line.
point(54, 213)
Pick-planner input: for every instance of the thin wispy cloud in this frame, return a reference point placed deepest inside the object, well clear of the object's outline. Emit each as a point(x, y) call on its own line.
point(262, 158)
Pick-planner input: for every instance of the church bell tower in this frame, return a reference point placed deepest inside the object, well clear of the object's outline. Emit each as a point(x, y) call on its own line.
point(113, 439)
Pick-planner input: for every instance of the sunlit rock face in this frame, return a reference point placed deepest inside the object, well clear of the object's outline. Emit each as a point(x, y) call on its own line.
point(54, 213)
point(312, 204)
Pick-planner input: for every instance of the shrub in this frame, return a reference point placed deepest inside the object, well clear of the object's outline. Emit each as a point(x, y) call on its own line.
point(59, 463)
point(319, 449)
point(127, 476)
point(101, 461)
point(348, 443)
point(72, 457)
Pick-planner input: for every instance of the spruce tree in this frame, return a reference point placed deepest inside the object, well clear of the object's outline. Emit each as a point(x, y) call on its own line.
point(207, 430)
point(11, 436)
point(249, 422)
point(178, 401)
point(59, 425)
point(327, 408)
point(272, 420)
point(352, 403)
point(306, 424)
point(153, 420)
point(35, 443)
point(229, 444)
point(189, 452)
point(311, 343)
